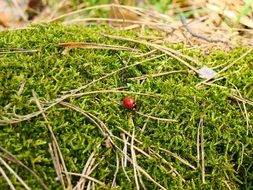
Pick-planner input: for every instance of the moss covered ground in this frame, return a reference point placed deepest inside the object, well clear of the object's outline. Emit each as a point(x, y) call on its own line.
point(213, 125)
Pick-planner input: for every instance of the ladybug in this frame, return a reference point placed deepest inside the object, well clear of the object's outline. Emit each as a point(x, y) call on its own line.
point(129, 102)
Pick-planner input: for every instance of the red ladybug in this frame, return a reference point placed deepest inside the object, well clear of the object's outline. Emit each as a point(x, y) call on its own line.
point(129, 102)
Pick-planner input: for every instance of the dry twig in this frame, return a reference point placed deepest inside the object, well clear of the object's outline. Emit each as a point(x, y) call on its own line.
point(195, 34)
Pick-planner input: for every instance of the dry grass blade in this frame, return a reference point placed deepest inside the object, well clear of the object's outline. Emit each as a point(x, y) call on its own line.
point(133, 9)
point(125, 140)
point(56, 149)
point(7, 179)
point(13, 158)
point(57, 8)
point(15, 174)
point(93, 186)
point(129, 144)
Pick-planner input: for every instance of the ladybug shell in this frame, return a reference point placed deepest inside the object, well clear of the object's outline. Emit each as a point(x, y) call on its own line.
point(129, 102)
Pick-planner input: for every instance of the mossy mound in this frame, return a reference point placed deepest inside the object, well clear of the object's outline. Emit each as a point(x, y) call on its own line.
point(227, 122)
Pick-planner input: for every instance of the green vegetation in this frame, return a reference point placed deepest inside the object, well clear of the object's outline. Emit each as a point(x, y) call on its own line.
point(227, 121)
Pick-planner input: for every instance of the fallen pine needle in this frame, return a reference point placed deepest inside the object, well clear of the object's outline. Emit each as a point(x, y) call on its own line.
point(134, 160)
point(14, 159)
point(87, 177)
point(15, 174)
point(156, 118)
point(7, 179)
point(56, 151)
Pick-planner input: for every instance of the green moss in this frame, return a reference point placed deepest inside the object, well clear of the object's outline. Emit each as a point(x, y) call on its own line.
point(228, 148)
